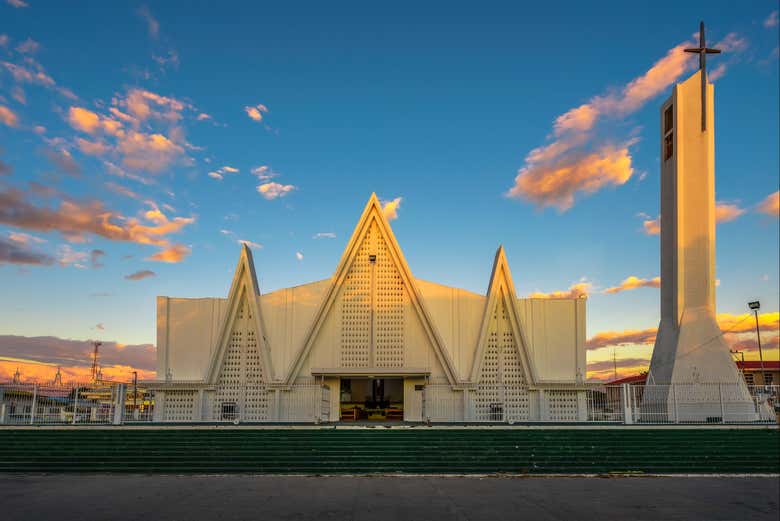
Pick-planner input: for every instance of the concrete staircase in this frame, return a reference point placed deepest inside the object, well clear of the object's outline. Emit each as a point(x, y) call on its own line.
point(397, 450)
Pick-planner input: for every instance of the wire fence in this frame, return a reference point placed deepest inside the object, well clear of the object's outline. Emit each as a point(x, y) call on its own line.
point(109, 403)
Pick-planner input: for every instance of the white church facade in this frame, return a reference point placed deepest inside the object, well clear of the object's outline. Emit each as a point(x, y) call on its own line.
point(370, 343)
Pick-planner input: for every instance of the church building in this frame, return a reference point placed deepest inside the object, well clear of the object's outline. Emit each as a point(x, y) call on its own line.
point(372, 342)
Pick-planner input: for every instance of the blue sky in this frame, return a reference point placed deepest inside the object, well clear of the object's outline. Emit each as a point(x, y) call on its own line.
point(439, 105)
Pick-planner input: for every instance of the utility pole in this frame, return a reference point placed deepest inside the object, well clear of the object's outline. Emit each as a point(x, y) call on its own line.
point(135, 389)
point(755, 306)
point(95, 355)
point(614, 362)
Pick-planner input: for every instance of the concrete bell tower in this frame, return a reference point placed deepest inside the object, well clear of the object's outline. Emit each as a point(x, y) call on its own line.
point(689, 347)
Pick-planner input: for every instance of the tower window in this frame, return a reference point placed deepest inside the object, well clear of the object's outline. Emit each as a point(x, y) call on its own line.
point(668, 119)
point(668, 145)
point(668, 132)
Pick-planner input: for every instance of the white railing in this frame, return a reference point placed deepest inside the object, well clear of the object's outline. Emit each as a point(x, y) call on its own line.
point(104, 403)
point(700, 403)
point(45, 404)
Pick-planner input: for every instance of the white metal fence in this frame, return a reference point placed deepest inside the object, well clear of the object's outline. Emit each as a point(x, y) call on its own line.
point(118, 403)
point(41, 404)
point(628, 404)
point(684, 403)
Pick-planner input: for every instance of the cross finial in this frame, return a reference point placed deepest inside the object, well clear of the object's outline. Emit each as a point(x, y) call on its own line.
point(702, 50)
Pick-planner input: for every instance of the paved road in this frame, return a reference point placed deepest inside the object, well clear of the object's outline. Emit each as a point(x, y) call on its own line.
point(192, 498)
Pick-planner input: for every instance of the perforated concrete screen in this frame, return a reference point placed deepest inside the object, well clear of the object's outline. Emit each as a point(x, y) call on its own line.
point(502, 392)
point(240, 378)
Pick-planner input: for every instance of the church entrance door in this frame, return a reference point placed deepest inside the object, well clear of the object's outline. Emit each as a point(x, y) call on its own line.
point(372, 399)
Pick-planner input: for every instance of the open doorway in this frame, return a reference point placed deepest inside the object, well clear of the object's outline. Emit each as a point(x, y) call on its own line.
point(373, 399)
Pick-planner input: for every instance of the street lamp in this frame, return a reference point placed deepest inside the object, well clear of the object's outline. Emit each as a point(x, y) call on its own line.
point(755, 306)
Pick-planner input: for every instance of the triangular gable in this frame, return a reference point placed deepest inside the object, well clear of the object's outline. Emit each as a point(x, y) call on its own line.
point(372, 214)
point(502, 287)
point(244, 286)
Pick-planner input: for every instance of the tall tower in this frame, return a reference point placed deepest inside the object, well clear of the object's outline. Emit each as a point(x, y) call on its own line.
point(689, 347)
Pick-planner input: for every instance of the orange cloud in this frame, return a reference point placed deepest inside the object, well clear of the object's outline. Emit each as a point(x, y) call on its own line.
point(8, 117)
point(92, 148)
point(90, 122)
point(633, 282)
point(771, 205)
point(580, 289)
point(35, 75)
point(390, 208)
point(176, 253)
point(619, 338)
point(150, 152)
point(43, 373)
point(119, 132)
point(256, 112)
point(749, 344)
point(652, 226)
point(730, 324)
point(657, 79)
point(604, 370)
point(578, 159)
point(83, 119)
point(75, 220)
point(555, 184)
point(143, 104)
point(746, 323)
point(725, 212)
point(580, 118)
point(274, 190)
point(44, 352)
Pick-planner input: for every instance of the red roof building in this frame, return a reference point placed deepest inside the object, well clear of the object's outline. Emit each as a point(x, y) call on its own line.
point(751, 370)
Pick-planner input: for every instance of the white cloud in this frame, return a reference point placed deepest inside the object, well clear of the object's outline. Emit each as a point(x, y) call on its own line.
point(251, 244)
point(390, 208)
point(256, 111)
point(264, 173)
point(771, 20)
point(299, 255)
point(67, 256)
point(274, 190)
point(324, 235)
point(219, 174)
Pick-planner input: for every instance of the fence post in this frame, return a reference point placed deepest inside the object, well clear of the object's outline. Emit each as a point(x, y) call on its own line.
point(317, 403)
point(422, 405)
point(75, 404)
point(722, 405)
point(119, 405)
point(34, 403)
point(2, 413)
point(674, 401)
point(503, 404)
point(628, 416)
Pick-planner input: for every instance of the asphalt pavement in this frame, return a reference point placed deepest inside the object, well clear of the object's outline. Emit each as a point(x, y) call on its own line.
point(154, 497)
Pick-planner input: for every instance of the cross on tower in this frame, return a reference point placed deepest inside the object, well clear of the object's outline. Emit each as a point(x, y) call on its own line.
point(702, 50)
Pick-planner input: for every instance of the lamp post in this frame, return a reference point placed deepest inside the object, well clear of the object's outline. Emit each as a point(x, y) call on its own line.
point(755, 306)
